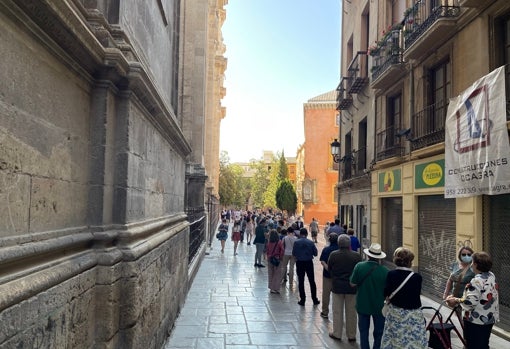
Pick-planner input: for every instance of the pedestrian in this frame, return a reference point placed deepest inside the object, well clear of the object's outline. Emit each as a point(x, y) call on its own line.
point(314, 229)
point(236, 235)
point(404, 326)
point(461, 273)
point(222, 233)
point(326, 276)
point(259, 241)
point(274, 272)
point(480, 303)
point(326, 228)
point(288, 261)
point(369, 277)
point(355, 245)
point(249, 229)
point(304, 250)
point(335, 227)
point(299, 223)
point(341, 264)
point(243, 226)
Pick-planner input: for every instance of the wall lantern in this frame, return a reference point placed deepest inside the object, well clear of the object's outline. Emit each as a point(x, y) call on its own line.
point(335, 150)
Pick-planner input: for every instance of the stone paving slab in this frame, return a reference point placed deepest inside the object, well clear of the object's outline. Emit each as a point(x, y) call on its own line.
point(229, 306)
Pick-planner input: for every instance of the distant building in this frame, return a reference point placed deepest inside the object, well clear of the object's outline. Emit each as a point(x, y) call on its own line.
point(318, 187)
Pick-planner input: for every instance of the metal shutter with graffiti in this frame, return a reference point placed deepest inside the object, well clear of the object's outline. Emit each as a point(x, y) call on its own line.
point(436, 247)
point(496, 224)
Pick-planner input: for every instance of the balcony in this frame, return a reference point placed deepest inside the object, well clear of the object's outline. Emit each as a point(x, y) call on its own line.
point(388, 145)
point(387, 60)
point(429, 126)
point(343, 99)
point(357, 72)
point(427, 25)
point(354, 164)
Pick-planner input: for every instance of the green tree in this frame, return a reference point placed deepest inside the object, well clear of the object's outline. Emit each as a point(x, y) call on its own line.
point(226, 181)
point(286, 198)
point(259, 183)
point(283, 170)
point(272, 183)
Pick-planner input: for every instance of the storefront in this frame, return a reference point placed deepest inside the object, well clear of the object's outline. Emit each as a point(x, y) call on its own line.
point(496, 237)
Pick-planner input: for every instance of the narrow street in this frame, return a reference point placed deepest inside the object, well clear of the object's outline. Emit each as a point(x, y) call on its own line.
point(229, 307)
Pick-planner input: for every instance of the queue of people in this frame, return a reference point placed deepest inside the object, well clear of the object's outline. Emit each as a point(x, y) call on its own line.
point(361, 288)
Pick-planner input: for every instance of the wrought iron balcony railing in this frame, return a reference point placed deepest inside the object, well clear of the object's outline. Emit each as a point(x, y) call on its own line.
point(344, 98)
point(387, 53)
point(357, 72)
point(388, 145)
point(354, 163)
point(429, 126)
point(423, 14)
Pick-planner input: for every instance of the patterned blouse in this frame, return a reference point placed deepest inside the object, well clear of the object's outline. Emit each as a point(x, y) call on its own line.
point(481, 301)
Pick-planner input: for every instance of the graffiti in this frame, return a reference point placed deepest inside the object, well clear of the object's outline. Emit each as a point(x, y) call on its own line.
point(438, 248)
point(465, 243)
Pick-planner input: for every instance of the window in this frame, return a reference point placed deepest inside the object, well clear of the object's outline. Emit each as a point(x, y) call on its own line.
point(393, 119)
point(440, 86)
point(398, 8)
point(361, 162)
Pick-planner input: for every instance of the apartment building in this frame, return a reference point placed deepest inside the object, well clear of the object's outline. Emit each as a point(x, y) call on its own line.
point(401, 63)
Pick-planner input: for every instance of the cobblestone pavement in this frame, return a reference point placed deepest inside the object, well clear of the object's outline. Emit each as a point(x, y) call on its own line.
point(229, 306)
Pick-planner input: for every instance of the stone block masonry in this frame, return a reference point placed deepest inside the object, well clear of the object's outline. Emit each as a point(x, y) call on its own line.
point(93, 236)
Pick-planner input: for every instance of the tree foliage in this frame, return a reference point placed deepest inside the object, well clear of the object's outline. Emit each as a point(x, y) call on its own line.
point(259, 183)
point(283, 171)
point(286, 198)
point(233, 187)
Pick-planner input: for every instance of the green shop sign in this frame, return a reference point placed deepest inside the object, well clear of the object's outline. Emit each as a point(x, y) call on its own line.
point(429, 175)
point(390, 181)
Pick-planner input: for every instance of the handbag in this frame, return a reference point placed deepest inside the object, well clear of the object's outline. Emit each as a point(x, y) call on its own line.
point(273, 260)
point(385, 309)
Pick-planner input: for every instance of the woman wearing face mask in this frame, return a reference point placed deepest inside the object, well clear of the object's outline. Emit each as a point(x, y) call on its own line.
point(480, 303)
point(461, 273)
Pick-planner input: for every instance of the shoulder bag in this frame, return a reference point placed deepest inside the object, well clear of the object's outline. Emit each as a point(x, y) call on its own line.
point(273, 260)
point(385, 308)
point(367, 274)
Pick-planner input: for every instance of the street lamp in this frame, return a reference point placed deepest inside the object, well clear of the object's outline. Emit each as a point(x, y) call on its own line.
point(335, 150)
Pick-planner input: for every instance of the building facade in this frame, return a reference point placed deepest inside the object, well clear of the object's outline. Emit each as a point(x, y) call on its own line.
point(106, 175)
point(318, 188)
point(420, 54)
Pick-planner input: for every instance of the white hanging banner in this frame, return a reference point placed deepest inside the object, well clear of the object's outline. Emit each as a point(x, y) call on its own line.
point(477, 151)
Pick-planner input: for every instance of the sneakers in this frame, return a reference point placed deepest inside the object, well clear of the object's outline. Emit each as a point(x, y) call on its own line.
point(316, 302)
point(324, 315)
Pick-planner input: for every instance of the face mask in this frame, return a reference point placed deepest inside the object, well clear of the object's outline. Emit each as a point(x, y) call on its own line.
point(466, 259)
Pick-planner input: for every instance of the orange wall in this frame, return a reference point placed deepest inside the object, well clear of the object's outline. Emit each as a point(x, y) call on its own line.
point(320, 130)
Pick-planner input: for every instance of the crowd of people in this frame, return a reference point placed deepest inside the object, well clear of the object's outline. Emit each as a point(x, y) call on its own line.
point(361, 285)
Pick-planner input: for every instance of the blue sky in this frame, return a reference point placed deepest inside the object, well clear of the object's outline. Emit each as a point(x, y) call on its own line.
point(280, 54)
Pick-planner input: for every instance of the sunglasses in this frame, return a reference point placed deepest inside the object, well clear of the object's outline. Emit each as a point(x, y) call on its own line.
point(465, 254)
